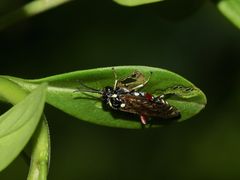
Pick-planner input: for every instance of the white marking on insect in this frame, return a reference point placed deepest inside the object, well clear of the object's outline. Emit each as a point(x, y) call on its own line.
point(114, 96)
point(123, 105)
point(142, 93)
point(110, 104)
point(136, 94)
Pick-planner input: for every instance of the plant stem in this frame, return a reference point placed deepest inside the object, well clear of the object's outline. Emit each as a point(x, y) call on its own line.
point(40, 153)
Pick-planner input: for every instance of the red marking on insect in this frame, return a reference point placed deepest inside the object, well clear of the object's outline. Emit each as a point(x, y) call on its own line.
point(149, 96)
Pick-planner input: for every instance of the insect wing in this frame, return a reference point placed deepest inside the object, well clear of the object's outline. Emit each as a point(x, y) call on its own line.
point(142, 106)
point(135, 79)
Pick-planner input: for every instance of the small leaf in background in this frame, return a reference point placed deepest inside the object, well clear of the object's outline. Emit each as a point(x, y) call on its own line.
point(18, 124)
point(28, 10)
point(189, 100)
point(135, 2)
point(231, 9)
point(171, 10)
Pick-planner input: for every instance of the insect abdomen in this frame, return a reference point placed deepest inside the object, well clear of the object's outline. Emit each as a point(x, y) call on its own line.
point(158, 107)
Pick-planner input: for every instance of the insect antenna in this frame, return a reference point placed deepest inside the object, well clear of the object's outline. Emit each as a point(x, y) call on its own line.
point(87, 89)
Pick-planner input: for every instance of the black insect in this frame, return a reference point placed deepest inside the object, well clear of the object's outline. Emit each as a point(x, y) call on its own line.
point(124, 96)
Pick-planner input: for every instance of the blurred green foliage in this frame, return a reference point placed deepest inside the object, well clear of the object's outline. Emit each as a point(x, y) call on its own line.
point(135, 2)
point(203, 47)
point(231, 9)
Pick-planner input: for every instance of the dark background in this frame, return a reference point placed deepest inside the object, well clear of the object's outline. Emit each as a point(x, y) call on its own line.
point(190, 38)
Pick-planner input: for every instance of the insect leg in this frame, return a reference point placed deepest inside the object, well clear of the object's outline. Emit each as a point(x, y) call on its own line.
point(115, 77)
point(166, 96)
point(143, 84)
point(144, 119)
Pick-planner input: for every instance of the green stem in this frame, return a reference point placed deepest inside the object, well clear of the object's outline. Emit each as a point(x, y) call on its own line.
point(30, 9)
point(13, 93)
point(40, 153)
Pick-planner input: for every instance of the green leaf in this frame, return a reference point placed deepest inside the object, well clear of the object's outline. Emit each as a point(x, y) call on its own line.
point(18, 124)
point(231, 9)
point(135, 2)
point(88, 106)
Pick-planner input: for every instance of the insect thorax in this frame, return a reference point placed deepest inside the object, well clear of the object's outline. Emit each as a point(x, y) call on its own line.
point(113, 98)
